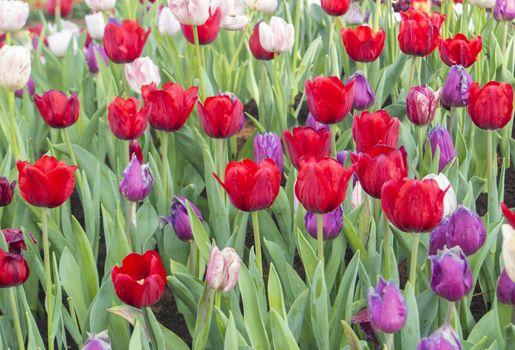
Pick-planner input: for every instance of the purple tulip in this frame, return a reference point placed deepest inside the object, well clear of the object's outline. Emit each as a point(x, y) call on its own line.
point(99, 341)
point(137, 181)
point(504, 10)
point(179, 219)
point(91, 57)
point(462, 228)
point(440, 138)
point(451, 276)
point(456, 88)
point(268, 145)
point(341, 156)
point(313, 124)
point(387, 309)
point(506, 289)
point(333, 223)
point(421, 103)
point(31, 88)
point(363, 94)
point(223, 269)
point(401, 5)
point(444, 338)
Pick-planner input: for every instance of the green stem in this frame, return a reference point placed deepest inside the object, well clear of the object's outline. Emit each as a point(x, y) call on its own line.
point(452, 120)
point(48, 277)
point(490, 159)
point(320, 236)
point(130, 221)
point(376, 16)
point(243, 40)
point(413, 263)
point(66, 137)
point(420, 146)
point(390, 338)
point(513, 315)
point(199, 61)
point(257, 240)
point(220, 157)
point(333, 140)
point(386, 247)
point(193, 257)
point(507, 25)
point(262, 95)
point(164, 163)
point(13, 127)
point(16, 319)
point(218, 299)
point(412, 71)
point(329, 47)
point(450, 309)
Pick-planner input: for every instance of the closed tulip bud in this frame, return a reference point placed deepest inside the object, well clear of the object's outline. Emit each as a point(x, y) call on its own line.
point(387, 309)
point(142, 71)
point(167, 23)
point(485, 4)
point(125, 120)
point(223, 269)
point(443, 338)
point(462, 228)
point(335, 7)
point(65, 6)
point(101, 5)
point(91, 57)
point(278, 36)
point(419, 32)
point(363, 94)
point(179, 219)
point(255, 46)
point(357, 195)
point(268, 145)
point(124, 42)
point(57, 109)
point(6, 191)
point(491, 107)
point(98, 341)
point(459, 50)
point(304, 142)
point(265, 6)
point(59, 42)
point(455, 91)
point(363, 44)
point(13, 15)
point(451, 276)
point(504, 10)
point(371, 129)
point(329, 100)
point(440, 139)
point(421, 104)
point(14, 269)
point(251, 186)
point(15, 241)
point(190, 12)
point(313, 124)
point(137, 181)
point(135, 149)
point(95, 24)
point(508, 250)
point(207, 32)
point(506, 289)
point(14, 67)
point(221, 116)
point(333, 223)
point(449, 201)
point(31, 88)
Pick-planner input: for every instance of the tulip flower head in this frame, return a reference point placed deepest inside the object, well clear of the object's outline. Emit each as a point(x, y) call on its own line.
point(14, 269)
point(421, 104)
point(268, 145)
point(13, 15)
point(455, 91)
point(491, 107)
point(91, 57)
point(258, 51)
point(137, 181)
point(371, 129)
point(506, 289)
point(363, 94)
point(57, 109)
point(335, 7)
point(303, 142)
point(124, 42)
point(451, 276)
point(443, 338)
point(190, 12)
point(449, 201)
point(504, 10)
point(15, 241)
point(101, 5)
point(329, 100)
point(142, 71)
point(419, 32)
point(278, 36)
point(459, 50)
point(223, 269)
point(363, 44)
point(508, 249)
point(221, 116)
point(98, 341)
point(207, 32)
point(15, 67)
point(135, 149)
point(439, 138)
point(233, 14)
point(125, 120)
point(65, 6)
point(333, 223)
point(96, 25)
point(179, 219)
point(6, 191)
point(167, 23)
point(387, 309)
point(60, 41)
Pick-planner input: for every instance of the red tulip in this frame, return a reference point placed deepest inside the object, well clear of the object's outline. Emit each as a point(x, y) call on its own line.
point(169, 108)
point(329, 100)
point(335, 7)
point(322, 184)
point(124, 42)
point(508, 214)
point(413, 205)
point(14, 269)
point(141, 280)
point(491, 107)
point(362, 44)
point(66, 7)
point(251, 186)
point(378, 166)
point(307, 142)
point(135, 149)
point(58, 110)
point(459, 50)
point(221, 116)
point(419, 32)
point(125, 121)
point(207, 32)
point(371, 129)
point(256, 48)
point(6, 191)
point(48, 183)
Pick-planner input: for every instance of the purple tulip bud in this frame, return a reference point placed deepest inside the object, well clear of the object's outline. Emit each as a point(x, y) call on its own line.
point(268, 145)
point(313, 124)
point(462, 228)
point(223, 269)
point(387, 309)
point(440, 138)
point(91, 57)
point(451, 276)
point(504, 10)
point(100, 341)
point(444, 338)
point(179, 219)
point(456, 88)
point(506, 289)
point(421, 103)
point(363, 94)
point(333, 223)
point(341, 156)
point(31, 88)
point(137, 181)
point(6, 191)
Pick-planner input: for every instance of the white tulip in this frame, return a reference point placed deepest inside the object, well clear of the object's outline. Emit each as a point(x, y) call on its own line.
point(59, 42)
point(485, 4)
point(266, 6)
point(237, 22)
point(65, 25)
point(141, 72)
point(13, 15)
point(449, 201)
point(233, 13)
point(15, 67)
point(508, 250)
point(101, 5)
point(190, 12)
point(357, 195)
point(96, 25)
point(278, 36)
point(167, 23)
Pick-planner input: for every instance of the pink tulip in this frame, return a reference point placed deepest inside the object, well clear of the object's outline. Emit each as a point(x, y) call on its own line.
point(223, 269)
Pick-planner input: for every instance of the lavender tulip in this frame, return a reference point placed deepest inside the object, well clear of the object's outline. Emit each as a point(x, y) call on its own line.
point(354, 15)
point(439, 138)
point(179, 219)
point(504, 10)
point(99, 341)
point(137, 181)
point(387, 309)
point(451, 276)
point(31, 88)
point(268, 145)
point(506, 289)
point(223, 269)
point(341, 156)
point(456, 88)
point(421, 103)
point(444, 338)
point(91, 57)
point(462, 228)
point(313, 124)
point(333, 223)
point(363, 94)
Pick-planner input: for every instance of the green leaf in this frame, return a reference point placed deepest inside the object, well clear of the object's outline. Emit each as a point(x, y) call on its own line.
point(231, 334)
point(204, 317)
point(352, 338)
point(319, 308)
point(307, 255)
point(281, 334)
point(275, 293)
point(410, 333)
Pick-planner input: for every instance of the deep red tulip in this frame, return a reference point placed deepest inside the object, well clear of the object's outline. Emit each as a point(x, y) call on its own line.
point(413, 205)
point(14, 269)
point(221, 116)
point(491, 107)
point(459, 50)
point(329, 100)
point(251, 186)
point(48, 183)
point(378, 166)
point(14, 239)
point(362, 44)
point(125, 121)
point(141, 280)
point(169, 108)
point(307, 142)
point(6, 191)
point(258, 51)
point(124, 42)
point(135, 149)
point(65, 5)
point(335, 7)
point(371, 129)
point(322, 184)
point(508, 214)
point(207, 32)
point(419, 32)
point(57, 109)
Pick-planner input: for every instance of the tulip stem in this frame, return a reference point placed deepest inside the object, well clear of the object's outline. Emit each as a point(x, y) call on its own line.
point(164, 163)
point(130, 221)
point(389, 341)
point(320, 236)
point(199, 61)
point(66, 137)
point(386, 247)
point(452, 120)
point(240, 47)
point(333, 139)
point(16, 319)
point(490, 159)
point(420, 146)
point(257, 240)
point(48, 277)
point(14, 140)
point(507, 25)
point(413, 263)
point(218, 299)
point(412, 71)
point(376, 16)
point(450, 309)
point(193, 258)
